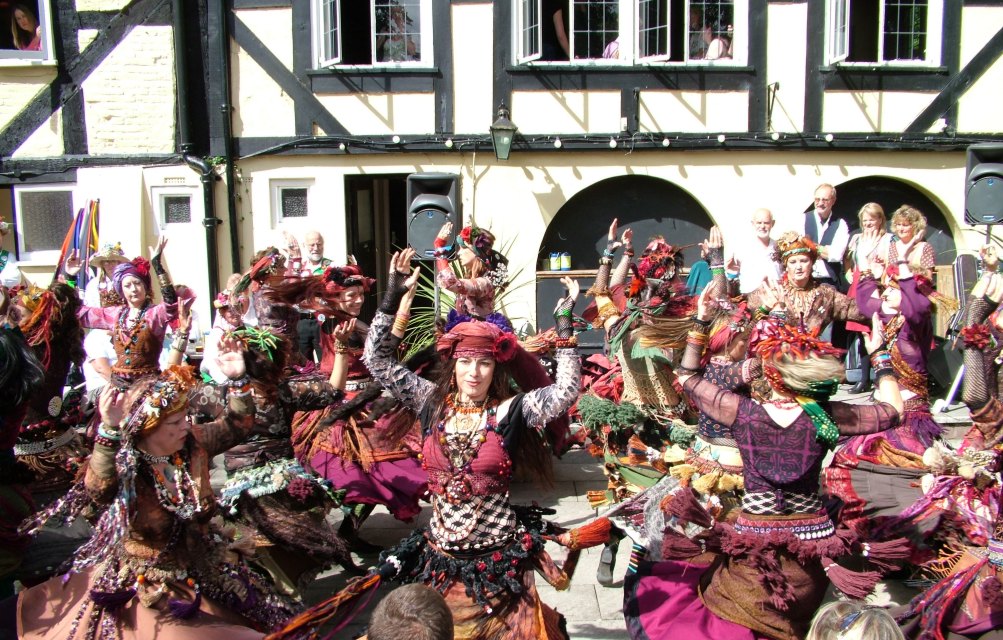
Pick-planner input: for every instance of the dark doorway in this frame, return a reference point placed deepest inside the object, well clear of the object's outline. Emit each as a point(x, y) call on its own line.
point(376, 225)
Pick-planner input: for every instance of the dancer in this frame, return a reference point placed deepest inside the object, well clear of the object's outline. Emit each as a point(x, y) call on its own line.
point(483, 271)
point(807, 303)
point(137, 327)
point(775, 562)
point(478, 551)
point(156, 565)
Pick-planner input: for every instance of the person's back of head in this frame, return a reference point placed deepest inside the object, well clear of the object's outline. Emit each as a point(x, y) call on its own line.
point(853, 621)
point(414, 612)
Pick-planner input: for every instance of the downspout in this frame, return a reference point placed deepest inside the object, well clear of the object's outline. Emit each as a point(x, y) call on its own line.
point(197, 164)
point(226, 110)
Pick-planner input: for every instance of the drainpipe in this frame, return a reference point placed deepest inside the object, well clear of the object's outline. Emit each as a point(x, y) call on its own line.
point(226, 110)
point(197, 164)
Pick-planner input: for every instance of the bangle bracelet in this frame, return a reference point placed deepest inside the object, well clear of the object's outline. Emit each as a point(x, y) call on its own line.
point(71, 281)
point(566, 343)
point(239, 383)
point(608, 254)
point(563, 313)
point(607, 311)
point(109, 432)
point(105, 441)
point(341, 347)
point(629, 251)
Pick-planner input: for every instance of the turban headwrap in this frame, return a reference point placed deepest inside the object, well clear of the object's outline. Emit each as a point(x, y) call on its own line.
point(137, 267)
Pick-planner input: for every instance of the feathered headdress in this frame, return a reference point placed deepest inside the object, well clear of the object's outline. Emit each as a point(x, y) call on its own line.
point(337, 279)
point(792, 243)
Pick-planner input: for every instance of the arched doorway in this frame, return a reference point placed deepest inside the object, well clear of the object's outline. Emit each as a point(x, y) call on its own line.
point(891, 194)
point(649, 206)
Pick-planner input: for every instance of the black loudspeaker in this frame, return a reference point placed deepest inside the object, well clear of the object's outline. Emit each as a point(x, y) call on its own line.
point(433, 200)
point(984, 184)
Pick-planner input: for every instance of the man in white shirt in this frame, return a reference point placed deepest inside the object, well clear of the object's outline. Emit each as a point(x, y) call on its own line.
point(756, 260)
point(830, 233)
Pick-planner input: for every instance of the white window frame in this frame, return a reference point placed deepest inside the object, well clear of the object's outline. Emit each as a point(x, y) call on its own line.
point(629, 17)
point(524, 24)
point(934, 33)
point(46, 56)
point(330, 54)
point(837, 33)
point(160, 194)
point(275, 188)
point(47, 256)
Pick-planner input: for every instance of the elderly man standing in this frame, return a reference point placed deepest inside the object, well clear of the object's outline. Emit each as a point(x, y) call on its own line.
point(830, 233)
point(757, 260)
point(313, 264)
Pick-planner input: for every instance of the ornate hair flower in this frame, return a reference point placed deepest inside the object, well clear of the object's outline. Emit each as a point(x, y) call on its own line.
point(169, 394)
point(772, 340)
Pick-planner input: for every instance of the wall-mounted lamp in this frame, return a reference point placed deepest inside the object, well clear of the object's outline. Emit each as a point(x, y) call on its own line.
point(503, 133)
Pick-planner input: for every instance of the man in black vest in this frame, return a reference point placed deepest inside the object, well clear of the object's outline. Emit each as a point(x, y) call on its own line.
point(830, 233)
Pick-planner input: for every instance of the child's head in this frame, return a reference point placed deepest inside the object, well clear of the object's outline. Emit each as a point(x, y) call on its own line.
point(853, 621)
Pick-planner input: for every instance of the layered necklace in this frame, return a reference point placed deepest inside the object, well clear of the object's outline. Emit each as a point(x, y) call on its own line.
point(801, 300)
point(461, 445)
point(128, 333)
point(183, 502)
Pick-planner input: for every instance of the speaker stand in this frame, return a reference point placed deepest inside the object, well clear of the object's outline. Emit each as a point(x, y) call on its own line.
point(940, 406)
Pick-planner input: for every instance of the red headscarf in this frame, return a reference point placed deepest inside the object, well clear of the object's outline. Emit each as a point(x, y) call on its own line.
point(476, 338)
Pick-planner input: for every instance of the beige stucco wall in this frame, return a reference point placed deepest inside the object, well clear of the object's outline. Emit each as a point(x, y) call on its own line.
point(45, 141)
point(569, 112)
point(129, 99)
point(785, 63)
point(872, 111)
point(18, 85)
point(383, 114)
point(262, 108)
point(978, 109)
point(693, 111)
point(473, 108)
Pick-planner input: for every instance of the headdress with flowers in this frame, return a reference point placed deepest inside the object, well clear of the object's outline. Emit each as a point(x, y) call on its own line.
point(792, 243)
point(660, 262)
point(481, 242)
point(337, 279)
point(772, 341)
point(137, 267)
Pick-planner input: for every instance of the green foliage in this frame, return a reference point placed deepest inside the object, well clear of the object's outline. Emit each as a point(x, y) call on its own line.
point(597, 412)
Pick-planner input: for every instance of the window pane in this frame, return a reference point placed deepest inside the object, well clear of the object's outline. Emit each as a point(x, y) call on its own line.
point(652, 31)
point(596, 25)
point(177, 209)
point(905, 29)
point(329, 29)
point(530, 36)
point(293, 202)
point(45, 217)
point(712, 29)
point(398, 30)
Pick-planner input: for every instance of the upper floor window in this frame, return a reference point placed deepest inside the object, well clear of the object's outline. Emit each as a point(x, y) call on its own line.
point(26, 32)
point(392, 33)
point(884, 31)
point(631, 31)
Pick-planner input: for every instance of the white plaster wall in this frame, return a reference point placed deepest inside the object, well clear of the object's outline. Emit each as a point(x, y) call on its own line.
point(383, 114)
point(569, 112)
point(85, 37)
point(785, 63)
point(978, 109)
point(99, 5)
point(872, 111)
point(262, 107)
point(18, 85)
point(45, 141)
point(473, 26)
point(129, 98)
point(694, 111)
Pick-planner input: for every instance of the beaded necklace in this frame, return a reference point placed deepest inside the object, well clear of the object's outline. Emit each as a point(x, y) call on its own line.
point(460, 447)
point(129, 337)
point(184, 502)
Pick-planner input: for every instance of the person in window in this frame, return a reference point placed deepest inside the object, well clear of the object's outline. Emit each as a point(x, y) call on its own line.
point(698, 46)
point(25, 29)
point(555, 31)
point(718, 44)
point(397, 45)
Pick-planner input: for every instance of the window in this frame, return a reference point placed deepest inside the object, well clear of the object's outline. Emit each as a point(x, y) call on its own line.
point(884, 31)
point(26, 33)
point(631, 31)
point(380, 33)
point(43, 215)
point(177, 209)
point(291, 200)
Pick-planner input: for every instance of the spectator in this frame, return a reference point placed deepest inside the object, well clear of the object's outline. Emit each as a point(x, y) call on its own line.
point(829, 232)
point(414, 612)
point(308, 328)
point(853, 621)
point(756, 260)
point(25, 29)
point(10, 274)
point(555, 30)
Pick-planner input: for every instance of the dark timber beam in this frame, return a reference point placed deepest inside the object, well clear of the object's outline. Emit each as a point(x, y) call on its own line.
point(959, 84)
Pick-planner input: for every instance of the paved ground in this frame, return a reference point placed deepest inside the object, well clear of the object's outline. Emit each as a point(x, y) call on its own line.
point(592, 611)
